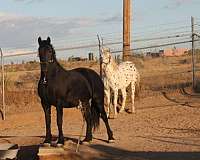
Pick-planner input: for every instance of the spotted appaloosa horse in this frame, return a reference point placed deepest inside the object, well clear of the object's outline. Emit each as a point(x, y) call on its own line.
point(119, 77)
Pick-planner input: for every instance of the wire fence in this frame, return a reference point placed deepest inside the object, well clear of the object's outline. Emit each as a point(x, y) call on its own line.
point(197, 60)
point(164, 62)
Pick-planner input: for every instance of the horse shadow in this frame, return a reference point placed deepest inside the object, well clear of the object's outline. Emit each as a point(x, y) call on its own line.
point(113, 153)
point(29, 152)
point(183, 130)
point(182, 102)
point(107, 152)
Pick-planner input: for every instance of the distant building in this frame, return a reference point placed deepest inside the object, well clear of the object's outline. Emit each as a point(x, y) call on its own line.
point(169, 52)
point(73, 59)
point(153, 54)
point(90, 56)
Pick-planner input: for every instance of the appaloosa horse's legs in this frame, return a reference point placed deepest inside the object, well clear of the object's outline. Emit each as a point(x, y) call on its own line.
point(133, 96)
point(59, 110)
point(107, 93)
point(115, 102)
point(109, 131)
point(123, 99)
point(47, 111)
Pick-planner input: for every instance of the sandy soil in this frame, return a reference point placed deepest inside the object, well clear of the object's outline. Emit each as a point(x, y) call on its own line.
point(165, 126)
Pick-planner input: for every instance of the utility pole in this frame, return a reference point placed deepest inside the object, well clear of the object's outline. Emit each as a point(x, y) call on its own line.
point(3, 85)
point(126, 29)
point(193, 55)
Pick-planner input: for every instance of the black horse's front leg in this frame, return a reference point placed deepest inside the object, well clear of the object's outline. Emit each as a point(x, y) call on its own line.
point(59, 110)
point(47, 111)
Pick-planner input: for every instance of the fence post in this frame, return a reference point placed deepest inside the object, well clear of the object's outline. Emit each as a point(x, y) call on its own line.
point(193, 55)
point(3, 85)
point(100, 59)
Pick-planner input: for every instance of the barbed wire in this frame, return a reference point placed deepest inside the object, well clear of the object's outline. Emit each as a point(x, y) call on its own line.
point(96, 45)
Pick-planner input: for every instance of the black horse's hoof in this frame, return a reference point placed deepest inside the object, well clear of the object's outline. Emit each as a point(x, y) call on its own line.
point(59, 145)
point(86, 142)
point(45, 144)
point(111, 141)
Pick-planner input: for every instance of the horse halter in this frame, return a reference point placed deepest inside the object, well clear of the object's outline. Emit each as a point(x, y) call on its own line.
point(103, 51)
point(109, 60)
point(51, 60)
point(47, 47)
point(47, 62)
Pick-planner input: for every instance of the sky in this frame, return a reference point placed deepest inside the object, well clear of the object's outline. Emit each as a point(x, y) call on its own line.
point(77, 22)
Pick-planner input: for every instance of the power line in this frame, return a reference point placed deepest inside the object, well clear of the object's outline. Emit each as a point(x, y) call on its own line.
point(162, 24)
point(168, 29)
point(111, 33)
point(156, 46)
point(160, 38)
point(106, 34)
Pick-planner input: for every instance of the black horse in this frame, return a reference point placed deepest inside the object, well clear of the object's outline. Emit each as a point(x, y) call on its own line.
point(69, 88)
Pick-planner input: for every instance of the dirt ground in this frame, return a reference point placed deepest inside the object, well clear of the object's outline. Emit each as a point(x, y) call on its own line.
point(165, 126)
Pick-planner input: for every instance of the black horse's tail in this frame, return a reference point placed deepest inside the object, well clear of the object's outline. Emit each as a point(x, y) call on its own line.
point(95, 114)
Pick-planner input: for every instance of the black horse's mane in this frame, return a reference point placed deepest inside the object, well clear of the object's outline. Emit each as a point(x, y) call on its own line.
point(54, 57)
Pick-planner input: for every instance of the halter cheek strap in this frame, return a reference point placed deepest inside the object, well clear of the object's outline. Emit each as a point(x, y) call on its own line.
point(45, 71)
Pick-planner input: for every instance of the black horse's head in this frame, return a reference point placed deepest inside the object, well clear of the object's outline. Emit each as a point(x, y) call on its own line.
point(46, 53)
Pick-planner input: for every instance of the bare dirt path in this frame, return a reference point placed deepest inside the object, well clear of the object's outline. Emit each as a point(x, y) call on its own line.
point(163, 127)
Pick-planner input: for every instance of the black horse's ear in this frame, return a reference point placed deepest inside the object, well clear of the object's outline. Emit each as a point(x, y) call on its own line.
point(39, 40)
point(48, 40)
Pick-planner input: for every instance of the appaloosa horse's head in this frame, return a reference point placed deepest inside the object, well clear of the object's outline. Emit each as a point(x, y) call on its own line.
point(105, 55)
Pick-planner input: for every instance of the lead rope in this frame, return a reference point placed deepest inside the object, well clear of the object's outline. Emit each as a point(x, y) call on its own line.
point(79, 138)
point(82, 128)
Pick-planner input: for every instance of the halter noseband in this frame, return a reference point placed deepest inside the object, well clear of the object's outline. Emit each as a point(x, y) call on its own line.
point(47, 62)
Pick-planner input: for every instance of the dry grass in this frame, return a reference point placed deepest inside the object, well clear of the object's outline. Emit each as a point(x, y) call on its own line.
point(157, 74)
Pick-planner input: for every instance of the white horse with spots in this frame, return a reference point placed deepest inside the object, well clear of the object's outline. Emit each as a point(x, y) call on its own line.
point(119, 77)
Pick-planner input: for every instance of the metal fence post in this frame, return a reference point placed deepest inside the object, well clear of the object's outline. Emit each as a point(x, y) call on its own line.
point(3, 85)
point(100, 59)
point(193, 55)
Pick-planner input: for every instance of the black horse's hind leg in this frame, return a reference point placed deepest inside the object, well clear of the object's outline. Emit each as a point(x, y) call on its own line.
point(109, 131)
point(105, 119)
point(87, 115)
point(88, 137)
point(47, 111)
point(59, 110)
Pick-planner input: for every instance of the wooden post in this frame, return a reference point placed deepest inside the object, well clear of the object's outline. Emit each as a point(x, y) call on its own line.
point(3, 85)
point(193, 55)
point(100, 58)
point(126, 29)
